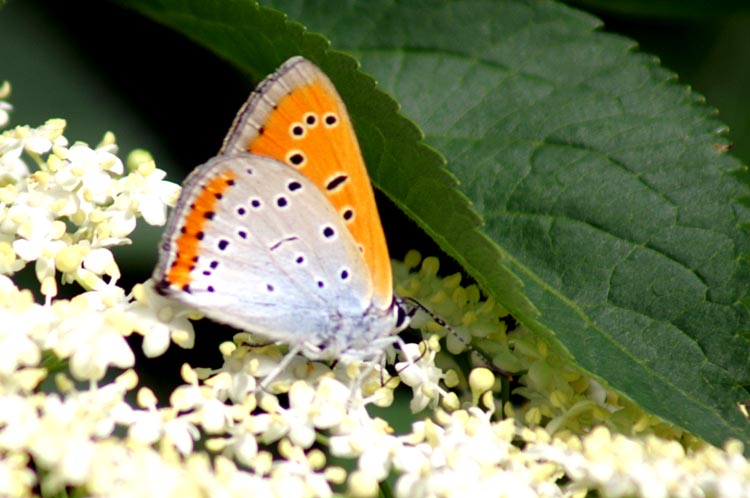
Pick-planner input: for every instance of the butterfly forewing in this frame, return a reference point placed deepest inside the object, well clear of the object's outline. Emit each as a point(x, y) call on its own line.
point(298, 117)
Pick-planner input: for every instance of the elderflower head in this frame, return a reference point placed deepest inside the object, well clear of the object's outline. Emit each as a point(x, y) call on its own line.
point(421, 375)
point(463, 454)
point(65, 216)
point(617, 466)
point(5, 107)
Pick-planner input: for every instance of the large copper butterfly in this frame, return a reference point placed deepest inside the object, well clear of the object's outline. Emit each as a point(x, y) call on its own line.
point(279, 233)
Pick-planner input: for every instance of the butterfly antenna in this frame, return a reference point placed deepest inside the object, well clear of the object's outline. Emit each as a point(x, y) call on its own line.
point(415, 306)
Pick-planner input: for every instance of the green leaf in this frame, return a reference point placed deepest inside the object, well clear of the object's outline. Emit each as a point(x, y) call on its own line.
point(667, 8)
point(614, 226)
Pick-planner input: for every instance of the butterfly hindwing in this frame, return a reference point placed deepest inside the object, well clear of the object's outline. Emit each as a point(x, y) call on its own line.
point(297, 116)
point(256, 245)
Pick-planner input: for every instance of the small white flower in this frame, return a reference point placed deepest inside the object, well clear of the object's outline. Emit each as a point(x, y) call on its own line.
point(40, 140)
point(294, 475)
point(90, 171)
point(419, 372)
point(330, 405)
point(122, 471)
point(5, 107)
point(97, 263)
point(215, 417)
point(370, 439)
point(464, 455)
point(16, 478)
point(39, 234)
point(182, 434)
point(17, 345)
point(187, 397)
point(243, 446)
point(89, 332)
point(145, 190)
point(62, 442)
point(9, 261)
point(241, 381)
point(145, 426)
point(158, 320)
point(117, 223)
point(19, 421)
point(13, 170)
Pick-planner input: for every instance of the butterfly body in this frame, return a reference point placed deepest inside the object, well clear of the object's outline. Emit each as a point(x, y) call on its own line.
point(279, 234)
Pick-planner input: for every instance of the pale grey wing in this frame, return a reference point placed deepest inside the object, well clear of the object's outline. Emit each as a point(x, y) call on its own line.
point(270, 255)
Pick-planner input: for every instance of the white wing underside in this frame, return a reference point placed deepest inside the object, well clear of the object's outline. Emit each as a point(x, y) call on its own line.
point(269, 264)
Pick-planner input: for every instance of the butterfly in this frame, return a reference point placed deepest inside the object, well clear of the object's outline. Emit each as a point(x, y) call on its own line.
point(279, 234)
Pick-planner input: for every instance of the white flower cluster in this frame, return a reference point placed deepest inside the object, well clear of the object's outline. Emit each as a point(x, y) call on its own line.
point(67, 378)
point(619, 466)
point(5, 107)
point(66, 215)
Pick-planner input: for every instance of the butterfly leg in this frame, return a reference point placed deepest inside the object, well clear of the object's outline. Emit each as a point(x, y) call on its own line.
point(356, 396)
point(283, 364)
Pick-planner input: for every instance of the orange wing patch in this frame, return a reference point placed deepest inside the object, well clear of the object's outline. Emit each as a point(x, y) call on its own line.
point(300, 119)
point(188, 242)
